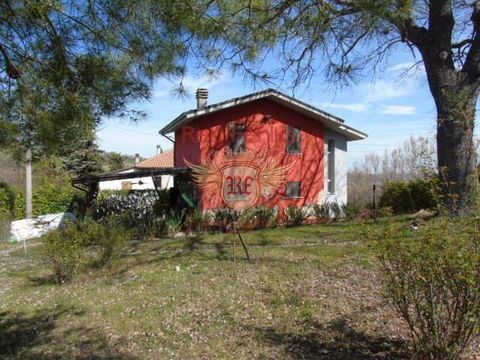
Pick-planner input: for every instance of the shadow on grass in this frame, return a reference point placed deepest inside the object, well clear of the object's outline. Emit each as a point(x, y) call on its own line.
point(35, 336)
point(336, 340)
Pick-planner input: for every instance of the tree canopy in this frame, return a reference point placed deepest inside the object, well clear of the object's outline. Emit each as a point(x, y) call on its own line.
point(66, 64)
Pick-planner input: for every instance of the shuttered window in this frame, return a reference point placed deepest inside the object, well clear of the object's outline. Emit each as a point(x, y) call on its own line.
point(294, 140)
point(237, 138)
point(294, 189)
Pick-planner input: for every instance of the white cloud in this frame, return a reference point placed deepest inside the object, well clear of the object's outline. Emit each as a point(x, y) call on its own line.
point(355, 107)
point(408, 68)
point(387, 89)
point(397, 110)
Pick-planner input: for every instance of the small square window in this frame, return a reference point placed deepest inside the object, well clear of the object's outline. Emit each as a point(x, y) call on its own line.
point(293, 189)
point(236, 138)
point(294, 140)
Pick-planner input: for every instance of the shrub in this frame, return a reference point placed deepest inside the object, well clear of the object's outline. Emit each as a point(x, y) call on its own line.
point(295, 215)
point(77, 247)
point(322, 212)
point(136, 210)
point(196, 221)
point(336, 211)
point(225, 217)
point(432, 278)
point(257, 218)
point(351, 211)
point(64, 253)
point(405, 197)
point(108, 236)
point(174, 224)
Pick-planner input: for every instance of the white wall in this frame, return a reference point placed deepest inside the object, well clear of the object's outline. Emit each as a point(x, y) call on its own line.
point(147, 182)
point(341, 164)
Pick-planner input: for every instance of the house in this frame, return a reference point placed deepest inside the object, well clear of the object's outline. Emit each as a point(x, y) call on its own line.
point(163, 159)
point(265, 148)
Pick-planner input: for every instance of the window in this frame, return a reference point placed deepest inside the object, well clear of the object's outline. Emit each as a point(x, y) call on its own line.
point(293, 189)
point(237, 138)
point(294, 140)
point(157, 181)
point(331, 166)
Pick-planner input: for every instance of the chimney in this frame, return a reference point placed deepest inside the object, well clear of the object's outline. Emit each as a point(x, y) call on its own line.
point(137, 158)
point(202, 97)
point(159, 149)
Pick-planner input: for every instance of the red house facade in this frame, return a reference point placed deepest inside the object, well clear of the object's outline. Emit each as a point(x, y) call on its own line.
point(265, 148)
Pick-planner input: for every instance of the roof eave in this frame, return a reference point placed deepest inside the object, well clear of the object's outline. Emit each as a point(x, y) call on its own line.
point(330, 121)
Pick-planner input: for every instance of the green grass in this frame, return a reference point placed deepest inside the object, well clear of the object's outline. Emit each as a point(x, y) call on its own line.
point(308, 292)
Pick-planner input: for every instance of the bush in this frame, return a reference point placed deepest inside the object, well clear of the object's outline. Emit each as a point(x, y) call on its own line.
point(322, 212)
point(45, 201)
point(174, 224)
point(295, 215)
point(432, 278)
point(405, 197)
point(257, 218)
point(196, 221)
point(77, 247)
point(64, 253)
point(136, 210)
point(351, 211)
point(336, 211)
point(224, 218)
point(108, 236)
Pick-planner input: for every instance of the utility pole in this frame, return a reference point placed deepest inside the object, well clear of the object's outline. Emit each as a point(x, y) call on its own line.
point(28, 184)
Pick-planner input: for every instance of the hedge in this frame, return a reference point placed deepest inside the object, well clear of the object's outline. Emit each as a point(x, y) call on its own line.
point(45, 201)
point(406, 197)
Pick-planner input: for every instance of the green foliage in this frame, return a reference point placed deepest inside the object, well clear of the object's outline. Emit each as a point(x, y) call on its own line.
point(196, 221)
point(82, 157)
point(336, 211)
point(135, 210)
point(7, 201)
point(295, 215)
point(109, 236)
point(322, 212)
point(432, 278)
point(225, 217)
point(64, 253)
point(78, 247)
point(258, 217)
point(404, 197)
point(64, 67)
point(174, 224)
point(351, 211)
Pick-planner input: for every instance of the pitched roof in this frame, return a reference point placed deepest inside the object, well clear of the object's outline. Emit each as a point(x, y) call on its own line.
point(330, 121)
point(162, 160)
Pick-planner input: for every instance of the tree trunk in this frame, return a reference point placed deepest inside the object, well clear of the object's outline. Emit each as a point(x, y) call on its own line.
point(457, 151)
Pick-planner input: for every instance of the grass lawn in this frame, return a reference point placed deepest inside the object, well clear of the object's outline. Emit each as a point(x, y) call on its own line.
point(308, 292)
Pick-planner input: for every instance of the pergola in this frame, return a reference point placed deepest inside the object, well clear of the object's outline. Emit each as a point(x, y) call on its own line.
point(90, 183)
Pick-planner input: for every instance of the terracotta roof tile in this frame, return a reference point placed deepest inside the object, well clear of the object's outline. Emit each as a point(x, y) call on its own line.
point(163, 160)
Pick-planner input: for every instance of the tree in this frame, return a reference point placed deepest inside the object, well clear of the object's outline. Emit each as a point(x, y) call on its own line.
point(66, 64)
point(346, 37)
point(83, 157)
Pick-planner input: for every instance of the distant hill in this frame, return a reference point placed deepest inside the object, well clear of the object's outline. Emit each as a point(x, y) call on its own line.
point(14, 174)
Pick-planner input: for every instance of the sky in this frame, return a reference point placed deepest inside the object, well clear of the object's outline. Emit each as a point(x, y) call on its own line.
point(390, 106)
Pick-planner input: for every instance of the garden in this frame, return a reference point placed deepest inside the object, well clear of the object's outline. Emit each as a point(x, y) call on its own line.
point(330, 282)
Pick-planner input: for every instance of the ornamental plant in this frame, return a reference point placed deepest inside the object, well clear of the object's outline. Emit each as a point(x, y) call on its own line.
point(432, 278)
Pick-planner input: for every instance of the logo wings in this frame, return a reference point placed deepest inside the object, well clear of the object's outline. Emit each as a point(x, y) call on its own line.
point(208, 175)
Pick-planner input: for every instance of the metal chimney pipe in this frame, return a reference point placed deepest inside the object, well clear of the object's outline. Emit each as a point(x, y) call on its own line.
point(202, 98)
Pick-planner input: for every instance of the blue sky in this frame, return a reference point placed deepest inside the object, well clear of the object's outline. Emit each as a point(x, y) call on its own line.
point(389, 106)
